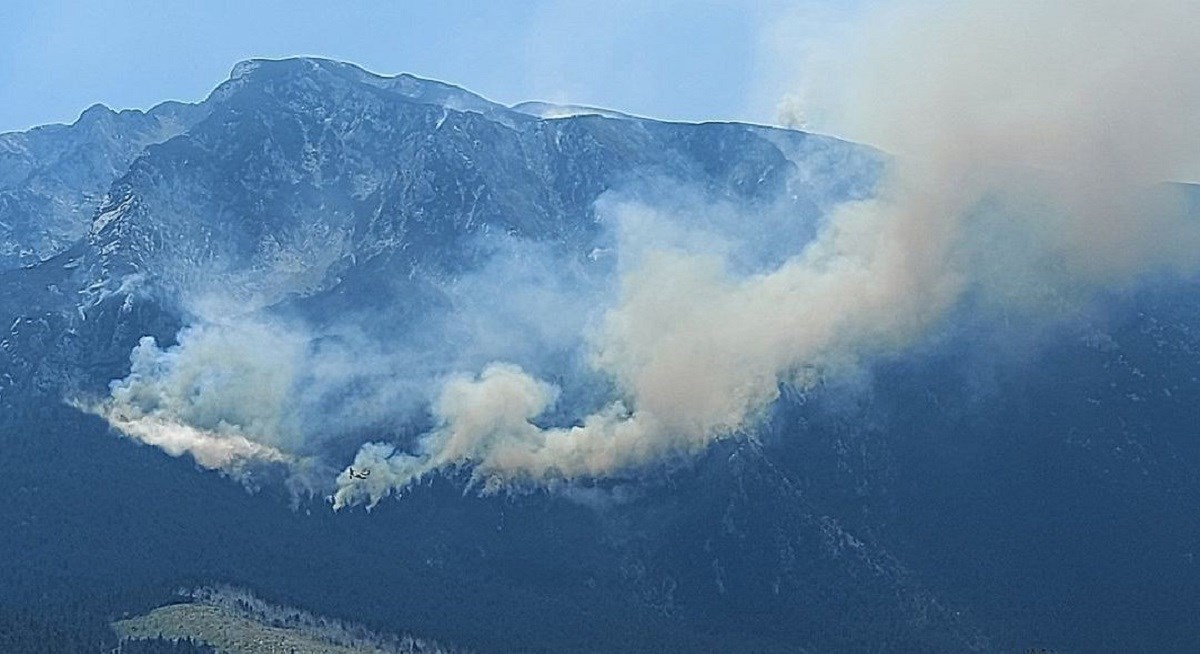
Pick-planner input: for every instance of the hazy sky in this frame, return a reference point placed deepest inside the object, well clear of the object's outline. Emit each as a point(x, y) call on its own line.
point(679, 59)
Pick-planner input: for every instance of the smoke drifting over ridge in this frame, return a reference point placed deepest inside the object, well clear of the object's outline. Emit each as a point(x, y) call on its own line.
point(1097, 99)
point(242, 388)
point(1030, 143)
point(1031, 135)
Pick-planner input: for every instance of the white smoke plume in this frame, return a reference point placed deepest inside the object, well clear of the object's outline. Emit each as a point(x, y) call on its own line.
point(241, 388)
point(695, 351)
point(1030, 137)
point(487, 423)
point(221, 395)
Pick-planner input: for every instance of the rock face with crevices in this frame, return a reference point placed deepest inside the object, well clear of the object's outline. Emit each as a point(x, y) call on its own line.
point(53, 178)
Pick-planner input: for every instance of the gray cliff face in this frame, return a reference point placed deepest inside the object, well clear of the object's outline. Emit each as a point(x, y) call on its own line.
point(301, 165)
point(53, 178)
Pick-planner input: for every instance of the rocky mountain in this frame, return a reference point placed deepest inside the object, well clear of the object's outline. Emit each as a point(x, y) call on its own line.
point(950, 499)
point(53, 178)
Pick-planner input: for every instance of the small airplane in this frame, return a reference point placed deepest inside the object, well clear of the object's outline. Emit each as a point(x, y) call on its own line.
point(362, 474)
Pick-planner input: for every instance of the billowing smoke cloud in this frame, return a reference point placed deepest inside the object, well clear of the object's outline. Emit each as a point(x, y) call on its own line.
point(1030, 139)
point(243, 388)
point(1076, 107)
point(487, 422)
point(222, 395)
point(695, 351)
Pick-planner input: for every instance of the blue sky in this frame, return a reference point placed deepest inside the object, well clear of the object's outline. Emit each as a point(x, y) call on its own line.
point(677, 59)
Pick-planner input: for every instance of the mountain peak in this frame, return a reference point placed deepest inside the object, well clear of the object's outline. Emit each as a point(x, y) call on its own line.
point(411, 87)
point(94, 112)
point(299, 66)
